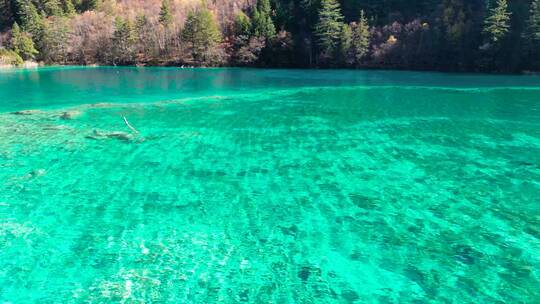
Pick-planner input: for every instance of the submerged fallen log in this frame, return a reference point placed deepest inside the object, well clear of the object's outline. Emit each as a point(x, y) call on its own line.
point(27, 112)
point(115, 134)
point(68, 115)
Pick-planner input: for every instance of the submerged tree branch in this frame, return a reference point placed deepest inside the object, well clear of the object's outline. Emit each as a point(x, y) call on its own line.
point(129, 125)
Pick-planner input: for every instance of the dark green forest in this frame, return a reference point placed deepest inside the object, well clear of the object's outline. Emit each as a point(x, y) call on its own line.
point(449, 35)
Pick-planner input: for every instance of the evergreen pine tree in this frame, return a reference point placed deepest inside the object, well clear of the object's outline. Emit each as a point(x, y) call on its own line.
point(455, 22)
point(165, 17)
point(242, 24)
point(533, 23)
point(263, 26)
point(329, 27)
point(22, 43)
point(124, 39)
point(54, 43)
point(143, 32)
point(345, 43)
point(89, 5)
point(141, 23)
point(28, 16)
point(531, 37)
point(68, 7)
point(360, 39)
point(202, 33)
point(7, 16)
point(53, 8)
point(497, 24)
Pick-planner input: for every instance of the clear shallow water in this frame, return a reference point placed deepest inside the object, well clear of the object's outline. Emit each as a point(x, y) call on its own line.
point(268, 186)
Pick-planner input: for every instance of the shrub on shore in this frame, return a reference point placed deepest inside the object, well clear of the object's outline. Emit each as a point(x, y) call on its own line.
point(10, 58)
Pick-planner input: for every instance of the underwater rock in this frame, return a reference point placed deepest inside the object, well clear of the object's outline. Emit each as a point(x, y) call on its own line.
point(34, 173)
point(68, 115)
point(38, 172)
point(308, 271)
point(466, 254)
point(291, 231)
point(27, 112)
point(55, 128)
point(363, 202)
point(101, 105)
point(350, 296)
point(104, 135)
point(304, 273)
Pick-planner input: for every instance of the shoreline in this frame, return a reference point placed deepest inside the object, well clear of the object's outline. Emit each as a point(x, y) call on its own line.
point(25, 65)
point(34, 64)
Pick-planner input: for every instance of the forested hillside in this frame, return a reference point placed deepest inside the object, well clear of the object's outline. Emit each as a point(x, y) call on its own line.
point(458, 35)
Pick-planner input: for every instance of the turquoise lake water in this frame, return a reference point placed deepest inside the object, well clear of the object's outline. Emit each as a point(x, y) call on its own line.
point(268, 186)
